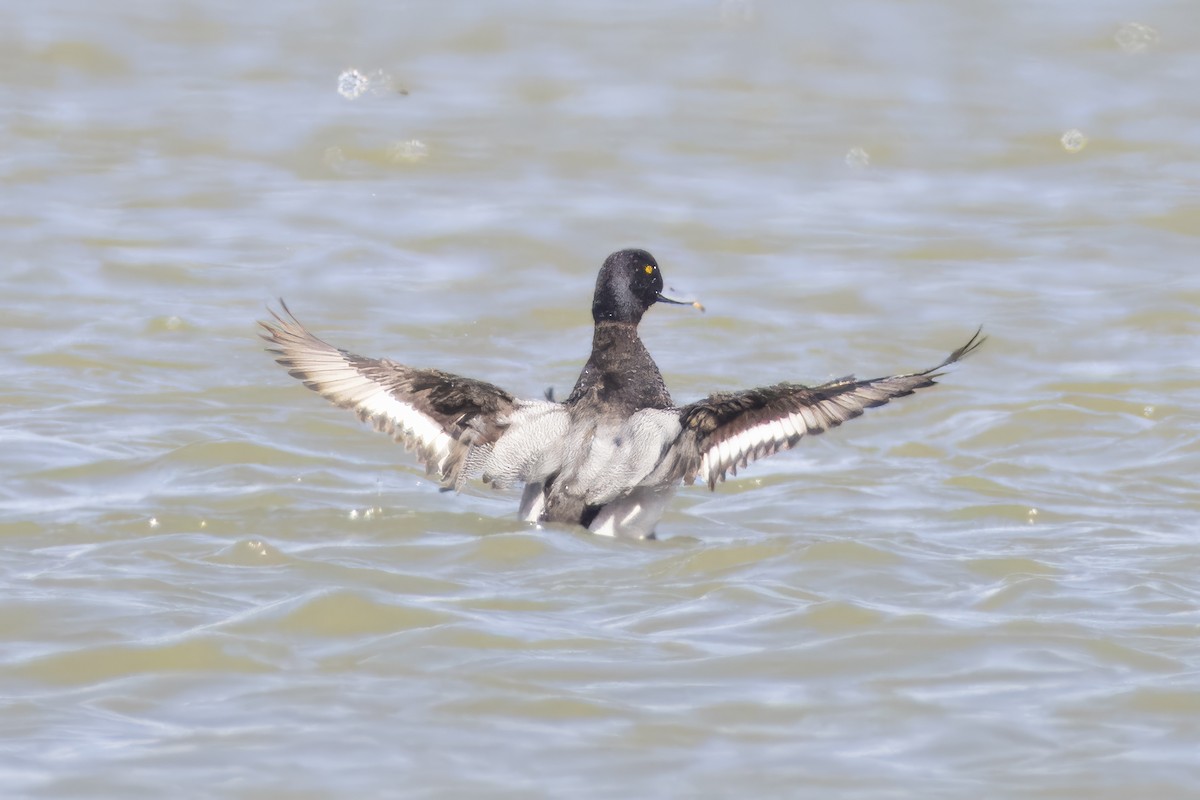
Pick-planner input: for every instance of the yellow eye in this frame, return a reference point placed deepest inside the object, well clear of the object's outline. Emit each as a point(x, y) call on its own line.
point(649, 269)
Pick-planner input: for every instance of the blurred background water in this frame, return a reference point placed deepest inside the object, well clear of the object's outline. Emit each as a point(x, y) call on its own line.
point(213, 584)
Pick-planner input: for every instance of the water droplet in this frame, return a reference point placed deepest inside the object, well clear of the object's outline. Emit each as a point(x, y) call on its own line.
point(408, 152)
point(1033, 513)
point(1134, 37)
point(1148, 411)
point(352, 84)
point(203, 524)
point(1073, 140)
point(154, 522)
point(353, 513)
point(858, 158)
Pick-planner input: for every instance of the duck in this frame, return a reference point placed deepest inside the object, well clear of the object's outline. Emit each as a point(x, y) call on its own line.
point(612, 454)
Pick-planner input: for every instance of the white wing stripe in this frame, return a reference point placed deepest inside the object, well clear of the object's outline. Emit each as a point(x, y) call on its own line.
point(338, 380)
point(411, 421)
point(770, 435)
point(773, 435)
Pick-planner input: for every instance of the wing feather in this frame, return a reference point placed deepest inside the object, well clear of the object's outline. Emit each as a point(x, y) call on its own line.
point(725, 431)
point(451, 422)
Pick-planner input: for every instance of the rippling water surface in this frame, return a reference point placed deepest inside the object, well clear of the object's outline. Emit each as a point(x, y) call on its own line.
point(213, 584)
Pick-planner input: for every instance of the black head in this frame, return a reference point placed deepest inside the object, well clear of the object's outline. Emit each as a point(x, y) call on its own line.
point(628, 284)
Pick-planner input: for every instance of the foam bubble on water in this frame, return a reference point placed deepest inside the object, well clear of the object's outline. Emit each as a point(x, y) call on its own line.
point(1148, 412)
point(353, 513)
point(352, 84)
point(1033, 513)
point(1073, 140)
point(153, 522)
point(858, 158)
point(408, 152)
point(1134, 37)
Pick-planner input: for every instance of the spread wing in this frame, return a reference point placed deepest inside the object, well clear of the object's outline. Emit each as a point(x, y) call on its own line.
point(725, 431)
point(451, 422)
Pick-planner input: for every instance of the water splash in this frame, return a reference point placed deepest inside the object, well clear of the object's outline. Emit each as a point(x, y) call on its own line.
point(1134, 37)
point(353, 84)
point(1073, 140)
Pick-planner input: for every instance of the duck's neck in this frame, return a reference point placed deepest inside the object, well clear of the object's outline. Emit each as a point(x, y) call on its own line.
point(619, 373)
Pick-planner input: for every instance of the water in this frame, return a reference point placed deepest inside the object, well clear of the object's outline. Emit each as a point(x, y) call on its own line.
point(213, 584)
